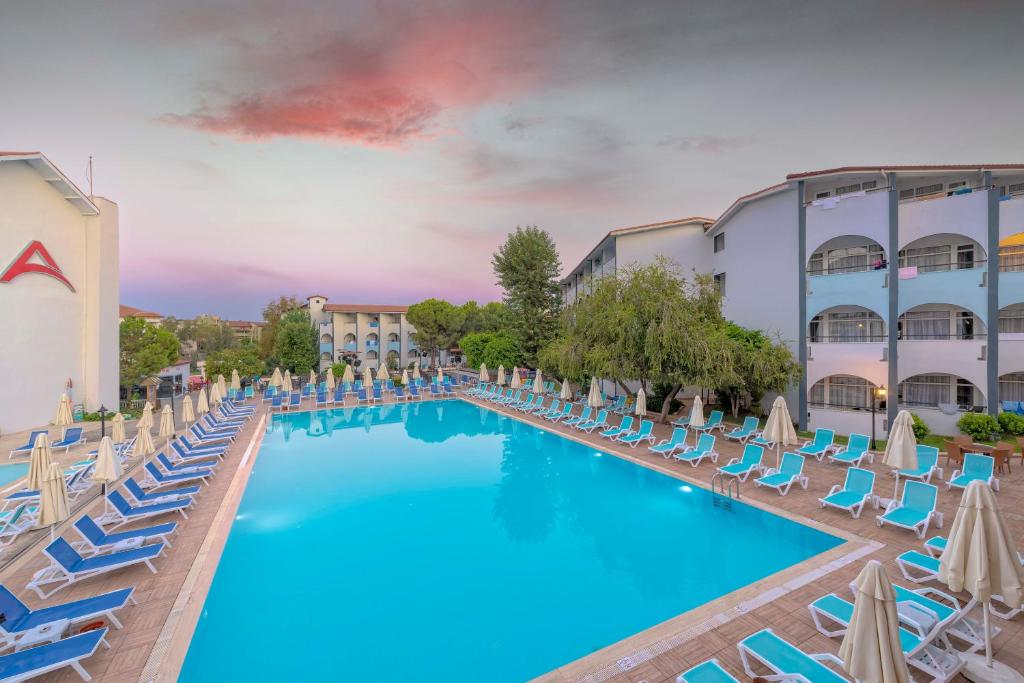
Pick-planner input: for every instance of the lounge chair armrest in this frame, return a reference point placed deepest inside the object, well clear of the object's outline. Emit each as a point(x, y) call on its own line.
point(893, 505)
point(835, 488)
point(956, 473)
point(920, 608)
point(939, 596)
point(732, 461)
point(770, 471)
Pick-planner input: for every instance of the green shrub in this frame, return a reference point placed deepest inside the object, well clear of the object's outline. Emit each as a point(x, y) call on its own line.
point(978, 426)
point(1011, 423)
point(921, 429)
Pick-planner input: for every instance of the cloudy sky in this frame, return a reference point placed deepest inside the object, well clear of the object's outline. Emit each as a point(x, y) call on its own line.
point(379, 151)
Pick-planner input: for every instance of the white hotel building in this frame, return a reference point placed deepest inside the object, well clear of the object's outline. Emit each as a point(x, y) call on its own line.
point(907, 278)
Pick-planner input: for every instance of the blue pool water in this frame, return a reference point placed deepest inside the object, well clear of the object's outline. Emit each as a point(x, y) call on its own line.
point(444, 542)
point(9, 473)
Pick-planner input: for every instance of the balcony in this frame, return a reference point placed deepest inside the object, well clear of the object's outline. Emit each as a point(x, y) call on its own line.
point(394, 346)
point(860, 359)
point(1011, 288)
point(372, 346)
point(326, 347)
point(962, 357)
point(962, 214)
point(866, 289)
point(1011, 216)
point(350, 346)
point(964, 288)
point(374, 323)
point(866, 215)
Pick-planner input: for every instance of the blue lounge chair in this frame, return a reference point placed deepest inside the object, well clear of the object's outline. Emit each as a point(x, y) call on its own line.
point(786, 661)
point(645, 433)
point(434, 391)
point(538, 401)
point(704, 448)
point(857, 491)
point(36, 661)
point(377, 397)
point(915, 510)
point(554, 409)
point(566, 412)
point(791, 471)
point(27, 446)
point(67, 566)
point(96, 540)
point(448, 388)
point(295, 400)
point(668, 447)
point(144, 497)
point(599, 422)
point(710, 671)
point(743, 467)
point(744, 431)
point(918, 567)
point(931, 612)
point(976, 467)
point(518, 405)
point(714, 421)
point(182, 456)
point(322, 398)
point(248, 393)
point(821, 445)
point(13, 523)
point(927, 465)
point(582, 417)
point(205, 468)
point(854, 452)
point(400, 394)
point(414, 392)
point(277, 402)
point(361, 396)
point(124, 512)
point(625, 427)
point(72, 437)
point(18, 617)
point(618, 404)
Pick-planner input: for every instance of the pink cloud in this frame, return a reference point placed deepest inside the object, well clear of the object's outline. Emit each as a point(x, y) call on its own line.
point(384, 86)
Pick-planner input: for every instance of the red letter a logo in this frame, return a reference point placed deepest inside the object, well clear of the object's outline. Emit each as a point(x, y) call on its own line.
point(23, 265)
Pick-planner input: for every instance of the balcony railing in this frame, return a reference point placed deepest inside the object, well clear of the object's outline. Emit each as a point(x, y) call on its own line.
point(847, 339)
point(372, 345)
point(394, 346)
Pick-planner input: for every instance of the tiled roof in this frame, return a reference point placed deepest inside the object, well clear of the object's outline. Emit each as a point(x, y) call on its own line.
point(364, 308)
point(926, 167)
point(132, 312)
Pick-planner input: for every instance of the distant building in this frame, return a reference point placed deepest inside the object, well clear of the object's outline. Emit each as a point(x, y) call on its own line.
point(246, 330)
point(132, 312)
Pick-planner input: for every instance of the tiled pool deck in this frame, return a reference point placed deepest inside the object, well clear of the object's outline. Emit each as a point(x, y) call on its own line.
point(155, 638)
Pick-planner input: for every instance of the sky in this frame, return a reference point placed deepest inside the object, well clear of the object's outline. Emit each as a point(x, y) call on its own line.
point(380, 151)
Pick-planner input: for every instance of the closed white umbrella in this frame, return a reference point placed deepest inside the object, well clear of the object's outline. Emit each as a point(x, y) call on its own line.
point(779, 428)
point(416, 370)
point(117, 429)
point(566, 391)
point(404, 379)
point(641, 403)
point(215, 396)
point(382, 371)
point(348, 376)
point(276, 380)
point(236, 381)
point(222, 387)
point(981, 558)
point(202, 403)
point(53, 499)
point(188, 414)
point(594, 397)
point(871, 650)
point(367, 378)
point(312, 378)
point(166, 424)
point(484, 375)
point(440, 375)
point(286, 381)
point(38, 463)
point(330, 379)
point(108, 466)
point(901, 447)
point(146, 420)
point(64, 417)
point(538, 383)
point(697, 412)
point(501, 376)
point(144, 442)
point(516, 381)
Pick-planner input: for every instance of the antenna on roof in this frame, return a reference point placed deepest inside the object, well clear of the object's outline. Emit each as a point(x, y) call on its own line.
point(88, 174)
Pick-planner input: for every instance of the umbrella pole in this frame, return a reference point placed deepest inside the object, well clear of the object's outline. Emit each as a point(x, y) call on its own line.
point(896, 489)
point(778, 456)
point(987, 607)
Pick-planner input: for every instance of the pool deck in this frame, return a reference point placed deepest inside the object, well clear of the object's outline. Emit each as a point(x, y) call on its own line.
point(153, 643)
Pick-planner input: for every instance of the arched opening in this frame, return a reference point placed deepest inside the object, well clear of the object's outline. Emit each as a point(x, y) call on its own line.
point(842, 392)
point(939, 321)
point(393, 337)
point(325, 357)
point(846, 324)
point(371, 355)
point(1011, 321)
point(350, 338)
point(847, 254)
point(1011, 386)
point(941, 391)
point(942, 252)
point(326, 339)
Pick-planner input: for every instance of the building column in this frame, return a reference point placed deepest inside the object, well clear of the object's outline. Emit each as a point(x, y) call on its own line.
point(992, 356)
point(801, 249)
point(893, 249)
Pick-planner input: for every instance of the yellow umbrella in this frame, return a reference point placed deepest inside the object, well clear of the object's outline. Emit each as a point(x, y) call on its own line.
point(166, 423)
point(440, 375)
point(416, 370)
point(53, 499)
point(382, 371)
point(202, 404)
point(236, 381)
point(349, 375)
point(222, 387)
point(565, 393)
point(117, 429)
point(215, 397)
point(981, 558)
point(108, 466)
point(367, 378)
point(330, 379)
point(188, 415)
point(594, 397)
point(871, 650)
point(275, 379)
point(538, 383)
point(697, 412)
point(64, 417)
point(484, 376)
point(779, 428)
point(516, 381)
point(901, 447)
point(144, 442)
point(640, 408)
point(147, 415)
point(501, 376)
point(38, 463)
point(286, 383)
point(312, 378)
point(405, 377)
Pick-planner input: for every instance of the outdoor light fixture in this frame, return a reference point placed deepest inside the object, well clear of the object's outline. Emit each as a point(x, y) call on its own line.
point(103, 421)
point(877, 394)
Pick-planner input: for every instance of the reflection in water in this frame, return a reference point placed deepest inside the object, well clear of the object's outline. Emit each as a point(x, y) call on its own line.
point(526, 504)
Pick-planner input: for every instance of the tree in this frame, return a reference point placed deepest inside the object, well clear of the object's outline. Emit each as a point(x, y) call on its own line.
point(295, 342)
point(272, 314)
point(438, 325)
point(339, 370)
point(527, 267)
point(145, 350)
point(761, 366)
point(491, 348)
point(245, 359)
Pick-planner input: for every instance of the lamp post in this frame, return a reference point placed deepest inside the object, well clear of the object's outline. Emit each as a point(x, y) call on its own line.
point(877, 394)
point(103, 421)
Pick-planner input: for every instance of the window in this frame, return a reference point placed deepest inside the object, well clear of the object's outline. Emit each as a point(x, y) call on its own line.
point(964, 394)
point(854, 259)
point(925, 325)
point(720, 283)
point(927, 259)
point(959, 183)
point(1011, 258)
point(907, 194)
point(814, 266)
point(1011, 387)
point(1016, 188)
point(841, 391)
point(964, 325)
point(925, 390)
point(855, 326)
point(822, 195)
point(719, 242)
point(927, 189)
point(847, 189)
point(964, 256)
point(869, 184)
point(1011, 319)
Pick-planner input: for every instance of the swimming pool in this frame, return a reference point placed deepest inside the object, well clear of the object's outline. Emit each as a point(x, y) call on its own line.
point(443, 541)
point(9, 473)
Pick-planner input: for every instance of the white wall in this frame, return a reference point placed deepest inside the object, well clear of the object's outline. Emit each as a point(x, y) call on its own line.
point(52, 334)
point(686, 245)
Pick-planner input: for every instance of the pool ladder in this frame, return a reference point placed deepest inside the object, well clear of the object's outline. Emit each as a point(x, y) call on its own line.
point(722, 493)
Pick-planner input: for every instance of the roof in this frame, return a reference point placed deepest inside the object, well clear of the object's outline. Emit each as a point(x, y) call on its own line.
point(45, 168)
point(132, 312)
point(243, 323)
point(646, 227)
point(935, 168)
point(739, 202)
point(364, 308)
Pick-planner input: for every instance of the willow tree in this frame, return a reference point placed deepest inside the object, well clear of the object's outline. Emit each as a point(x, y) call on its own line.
point(762, 365)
